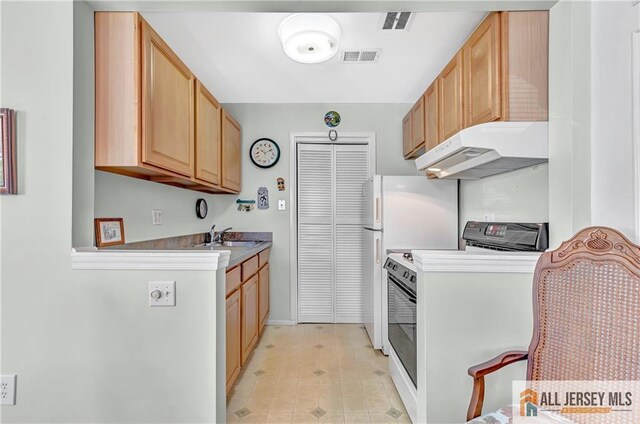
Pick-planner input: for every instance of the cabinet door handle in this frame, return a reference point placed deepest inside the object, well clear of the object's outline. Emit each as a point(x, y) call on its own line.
point(377, 251)
point(377, 209)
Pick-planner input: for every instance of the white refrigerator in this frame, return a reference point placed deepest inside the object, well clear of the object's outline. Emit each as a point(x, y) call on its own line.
point(402, 213)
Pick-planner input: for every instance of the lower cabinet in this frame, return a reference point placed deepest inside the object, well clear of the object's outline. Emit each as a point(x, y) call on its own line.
point(263, 289)
point(250, 322)
point(247, 311)
point(233, 319)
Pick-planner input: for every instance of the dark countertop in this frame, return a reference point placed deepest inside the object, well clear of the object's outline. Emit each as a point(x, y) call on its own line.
point(238, 254)
point(195, 242)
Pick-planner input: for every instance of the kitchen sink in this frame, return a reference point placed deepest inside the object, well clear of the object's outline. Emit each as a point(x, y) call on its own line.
point(230, 243)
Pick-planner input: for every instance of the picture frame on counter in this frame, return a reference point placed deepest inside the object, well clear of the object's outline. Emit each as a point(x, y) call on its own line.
point(8, 168)
point(109, 231)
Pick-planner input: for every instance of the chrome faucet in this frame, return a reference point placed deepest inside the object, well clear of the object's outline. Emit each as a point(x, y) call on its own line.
point(220, 237)
point(212, 233)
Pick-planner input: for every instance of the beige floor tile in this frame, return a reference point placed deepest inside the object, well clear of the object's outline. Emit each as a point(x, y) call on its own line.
point(352, 390)
point(356, 418)
point(308, 390)
point(306, 405)
point(378, 405)
point(232, 418)
point(397, 403)
point(304, 418)
point(404, 419)
point(331, 404)
point(236, 403)
point(256, 418)
point(286, 390)
point(332, 418)
point(330, 390)
point(355, 404)
point(373, 389)
point(381, 418)
point(279, 418)
point(258, 404)
point(283, 405)
point(264, 391)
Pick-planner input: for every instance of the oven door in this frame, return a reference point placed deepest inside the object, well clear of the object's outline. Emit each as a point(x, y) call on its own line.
point(402, 324)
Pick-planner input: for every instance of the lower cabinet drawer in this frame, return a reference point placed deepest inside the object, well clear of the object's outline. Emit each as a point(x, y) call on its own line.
point(249, 268)
point(233, 280)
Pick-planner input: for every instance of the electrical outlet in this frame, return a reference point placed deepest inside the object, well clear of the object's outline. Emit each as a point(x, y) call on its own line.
point(8, 389)
point(162, 293)
point(282, 205)
point(489, 217)
point(156, 217)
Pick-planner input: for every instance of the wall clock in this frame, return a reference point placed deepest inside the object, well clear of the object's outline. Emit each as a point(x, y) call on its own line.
point(264, 153)
point(202, 208)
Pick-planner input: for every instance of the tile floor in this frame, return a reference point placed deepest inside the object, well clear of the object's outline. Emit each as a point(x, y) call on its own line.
point(315, 373)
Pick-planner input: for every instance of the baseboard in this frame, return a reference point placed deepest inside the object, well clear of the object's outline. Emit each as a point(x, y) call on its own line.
point(280, 322)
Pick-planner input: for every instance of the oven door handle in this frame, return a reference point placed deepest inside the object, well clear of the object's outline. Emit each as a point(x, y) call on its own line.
point(411, 296)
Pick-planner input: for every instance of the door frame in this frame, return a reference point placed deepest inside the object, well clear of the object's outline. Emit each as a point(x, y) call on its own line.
point(314, 138)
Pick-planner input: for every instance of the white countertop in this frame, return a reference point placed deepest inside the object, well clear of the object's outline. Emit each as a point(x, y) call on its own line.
point(475, 261)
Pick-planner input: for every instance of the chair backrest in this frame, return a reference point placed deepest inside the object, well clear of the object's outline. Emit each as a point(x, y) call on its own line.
point(586, 298)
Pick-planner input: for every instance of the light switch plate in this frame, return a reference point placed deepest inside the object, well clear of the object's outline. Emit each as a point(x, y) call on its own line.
point(156, 217)
point(8, 389)
point(162, 293)
point(282, 205)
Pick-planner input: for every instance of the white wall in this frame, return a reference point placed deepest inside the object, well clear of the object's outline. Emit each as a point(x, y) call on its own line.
point(517, 196)
point(612, 179)
point(85, 345)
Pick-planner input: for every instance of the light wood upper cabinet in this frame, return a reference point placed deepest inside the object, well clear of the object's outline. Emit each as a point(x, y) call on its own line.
point(145, 111)
point(450, 115)
point(263, 295)
point(208, 136)
point(417, 125)
point(167, 107)
point(482, 79)
point(231, 152)
point(233, 332)
point(407, 138)
point(431, 126)
point(250, 320)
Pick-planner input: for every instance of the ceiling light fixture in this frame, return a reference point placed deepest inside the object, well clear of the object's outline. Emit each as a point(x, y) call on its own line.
point(309, 37)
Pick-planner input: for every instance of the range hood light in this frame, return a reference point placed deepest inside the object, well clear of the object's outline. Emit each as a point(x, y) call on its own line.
point(434, 169)
point(472, 154)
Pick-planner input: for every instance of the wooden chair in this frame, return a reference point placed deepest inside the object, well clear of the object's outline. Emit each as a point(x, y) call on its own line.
point(586, 306)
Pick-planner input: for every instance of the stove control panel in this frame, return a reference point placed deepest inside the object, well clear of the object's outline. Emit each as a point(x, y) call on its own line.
point(507, 236)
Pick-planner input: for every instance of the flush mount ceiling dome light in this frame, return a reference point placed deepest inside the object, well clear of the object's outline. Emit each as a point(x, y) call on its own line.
point(309, 37)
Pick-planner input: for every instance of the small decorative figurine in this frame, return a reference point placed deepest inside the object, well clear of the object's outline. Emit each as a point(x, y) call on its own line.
point(280, 181)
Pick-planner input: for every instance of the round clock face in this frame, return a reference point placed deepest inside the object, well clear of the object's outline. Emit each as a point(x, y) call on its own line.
point(264, 153)
point(202, 208)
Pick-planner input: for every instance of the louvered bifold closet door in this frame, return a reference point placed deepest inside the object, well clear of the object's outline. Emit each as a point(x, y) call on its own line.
point(352, 170)
point(315, 233)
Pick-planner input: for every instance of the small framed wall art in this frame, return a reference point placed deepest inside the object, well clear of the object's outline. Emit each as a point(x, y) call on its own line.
point(8, 171)
point(109, 231)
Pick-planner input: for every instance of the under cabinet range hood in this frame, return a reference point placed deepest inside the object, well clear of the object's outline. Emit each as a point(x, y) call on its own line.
point(488, 149)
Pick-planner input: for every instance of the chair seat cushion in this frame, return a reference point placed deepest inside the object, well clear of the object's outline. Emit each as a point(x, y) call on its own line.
point(505, 416)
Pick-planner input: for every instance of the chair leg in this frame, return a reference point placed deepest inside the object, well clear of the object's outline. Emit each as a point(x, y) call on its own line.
point(477, 399)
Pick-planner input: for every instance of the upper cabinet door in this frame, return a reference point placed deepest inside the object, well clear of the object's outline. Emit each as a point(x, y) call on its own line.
point(406, 135)
point(431, 130)
point(417, 118)
point(450, 110)
point(231, 152)
point(208, 134)
point(167, 107)
point(483, 91)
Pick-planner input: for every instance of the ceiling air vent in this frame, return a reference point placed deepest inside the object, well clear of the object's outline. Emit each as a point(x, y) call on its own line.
point(360, 56)
point(396, 20)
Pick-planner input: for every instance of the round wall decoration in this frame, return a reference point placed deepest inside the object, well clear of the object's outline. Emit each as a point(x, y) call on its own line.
point(202, 208)
point(264, 153)
point(332, 119)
